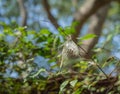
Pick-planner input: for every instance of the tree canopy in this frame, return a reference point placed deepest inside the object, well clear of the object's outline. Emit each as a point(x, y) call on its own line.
point(34, 41)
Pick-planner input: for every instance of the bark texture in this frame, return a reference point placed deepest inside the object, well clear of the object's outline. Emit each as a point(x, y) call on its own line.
point(50, 16)
point(23, 12)
point(95, 27)
point(89, 8)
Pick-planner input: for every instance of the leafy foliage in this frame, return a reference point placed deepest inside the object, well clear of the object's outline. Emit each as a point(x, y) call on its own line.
point(19, 72)
point(29, 59)
point(20, 46)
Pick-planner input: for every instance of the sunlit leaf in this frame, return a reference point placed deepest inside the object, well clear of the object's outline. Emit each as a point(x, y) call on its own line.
point(88, 36)
point(45, 31)
point(73, 82)
point(78, 91)
point(62, 86)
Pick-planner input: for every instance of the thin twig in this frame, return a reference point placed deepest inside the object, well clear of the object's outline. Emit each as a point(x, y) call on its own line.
point(96, 64)
point(114, 68)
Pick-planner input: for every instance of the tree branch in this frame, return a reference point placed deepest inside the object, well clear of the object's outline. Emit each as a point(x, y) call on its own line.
point(89, 8)
point(23, 12)
point(50, 16)
point(97, 21)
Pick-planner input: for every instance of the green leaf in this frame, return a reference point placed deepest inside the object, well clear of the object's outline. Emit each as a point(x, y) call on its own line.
point(88, 36)
point(73, 82)
point(61, 31)
point(45, 32)
point(78, 91)
point(110, 36)
point(75, 23)
point(69, 30)
point(55, 41)
point(63, 86)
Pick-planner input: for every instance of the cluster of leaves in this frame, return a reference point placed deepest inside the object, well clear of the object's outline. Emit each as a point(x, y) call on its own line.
point(18, 49)
point(18, 86)
point(91, 79)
